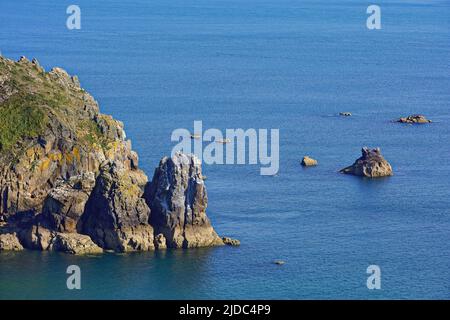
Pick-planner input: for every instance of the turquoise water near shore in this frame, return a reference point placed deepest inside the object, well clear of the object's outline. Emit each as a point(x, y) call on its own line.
point(292, 65)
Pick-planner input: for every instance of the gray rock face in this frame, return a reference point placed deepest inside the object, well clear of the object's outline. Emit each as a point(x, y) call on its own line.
point(178, 200)
point(66, 202)
point(116, 216)
point(371, 165)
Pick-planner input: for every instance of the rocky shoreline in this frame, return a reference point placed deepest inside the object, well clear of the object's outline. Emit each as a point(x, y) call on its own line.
point(70, 181)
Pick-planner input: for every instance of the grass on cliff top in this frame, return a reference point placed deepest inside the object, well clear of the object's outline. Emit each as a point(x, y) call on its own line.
point(25, 114)
point(38, 102)
point(20, 116)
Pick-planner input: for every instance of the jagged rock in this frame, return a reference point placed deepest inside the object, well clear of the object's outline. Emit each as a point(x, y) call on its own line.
point(116, 215)
point(414, 119)
point(23, 59)
point(231, 242)
point(308, 162)
point(10, 242)
point(371, 164)
point(74, 243)
point(178, 200)
point(66, 202)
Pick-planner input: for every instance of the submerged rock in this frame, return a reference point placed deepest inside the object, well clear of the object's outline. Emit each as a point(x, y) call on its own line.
point(231, 242)
point(178, 200)
point(371, 164)
point(308, 162)
point(414, 119)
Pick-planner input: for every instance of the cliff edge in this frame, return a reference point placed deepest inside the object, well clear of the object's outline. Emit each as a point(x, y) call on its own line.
point(70, 181)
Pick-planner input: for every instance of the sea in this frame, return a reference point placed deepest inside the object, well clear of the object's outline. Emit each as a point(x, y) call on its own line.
point(291, 65)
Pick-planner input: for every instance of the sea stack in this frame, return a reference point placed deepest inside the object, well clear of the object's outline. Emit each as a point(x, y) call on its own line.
point(177, 198)
point(70, 181)
point(371, 165)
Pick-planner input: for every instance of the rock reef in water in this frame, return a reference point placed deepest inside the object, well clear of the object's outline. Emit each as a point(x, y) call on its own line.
point(70, 181)
point(414, 119)
point(371, 165)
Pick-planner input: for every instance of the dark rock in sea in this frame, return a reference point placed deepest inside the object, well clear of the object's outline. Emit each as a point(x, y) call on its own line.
point(70, 181)
point(178, 200)
point(371, 164)
point(414, 119)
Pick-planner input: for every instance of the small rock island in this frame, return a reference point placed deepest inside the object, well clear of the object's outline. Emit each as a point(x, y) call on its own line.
point(308, 162)
point(70, 181)
point(371, 165)
point(414, 119)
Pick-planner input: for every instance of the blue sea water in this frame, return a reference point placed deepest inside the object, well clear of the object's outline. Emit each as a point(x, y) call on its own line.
point(286, 64)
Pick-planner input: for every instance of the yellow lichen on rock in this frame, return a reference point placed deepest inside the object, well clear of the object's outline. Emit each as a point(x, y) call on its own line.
point(45, 164)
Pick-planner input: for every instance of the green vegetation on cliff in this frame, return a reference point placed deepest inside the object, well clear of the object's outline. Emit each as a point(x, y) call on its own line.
point(20, 116)
point(34, 102)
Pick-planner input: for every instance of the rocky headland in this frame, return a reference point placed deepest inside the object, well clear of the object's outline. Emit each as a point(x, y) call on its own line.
point(70, 181)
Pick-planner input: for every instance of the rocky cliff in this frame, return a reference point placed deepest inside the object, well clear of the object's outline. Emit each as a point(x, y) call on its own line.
point(70, 181)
